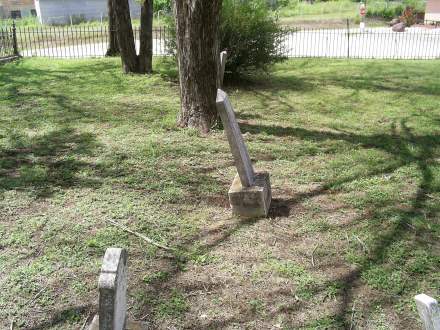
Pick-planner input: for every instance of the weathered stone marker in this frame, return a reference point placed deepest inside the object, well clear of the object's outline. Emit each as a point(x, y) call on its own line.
point(223, 59)
point(429, 311)
point(250, 194)
point(112, 292)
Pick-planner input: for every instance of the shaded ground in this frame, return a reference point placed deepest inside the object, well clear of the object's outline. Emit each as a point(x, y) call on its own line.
point(353, 149)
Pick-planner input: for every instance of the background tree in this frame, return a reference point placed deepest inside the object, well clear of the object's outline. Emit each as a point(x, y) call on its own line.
point(113, 48)
point(146, 38)
point(250, 32)
point(197, 26)
point(162, 5)
point(127, 46)
point(131, 63)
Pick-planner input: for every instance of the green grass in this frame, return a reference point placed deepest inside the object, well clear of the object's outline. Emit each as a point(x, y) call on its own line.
point(353, 234)
point(33, 22)
point(331, 13)
point(331, 9)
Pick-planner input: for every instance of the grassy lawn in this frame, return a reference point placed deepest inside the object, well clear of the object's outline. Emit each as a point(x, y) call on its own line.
point(353, 148)
point(334, 14)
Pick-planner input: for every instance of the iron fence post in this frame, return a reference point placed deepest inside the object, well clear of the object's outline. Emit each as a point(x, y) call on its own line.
point(348, 38)
point(14, 39)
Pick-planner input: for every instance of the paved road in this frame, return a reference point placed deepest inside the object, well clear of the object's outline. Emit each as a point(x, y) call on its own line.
point(380, 43)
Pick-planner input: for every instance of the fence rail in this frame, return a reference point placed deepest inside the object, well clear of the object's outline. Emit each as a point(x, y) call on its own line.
point(92, 41)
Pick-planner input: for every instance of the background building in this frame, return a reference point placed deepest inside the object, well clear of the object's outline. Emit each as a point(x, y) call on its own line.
point(76, 11)
point(432, 13)
point(17, 8)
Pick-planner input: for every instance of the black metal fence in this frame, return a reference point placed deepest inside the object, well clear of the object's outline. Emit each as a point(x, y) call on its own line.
point(8, 42)
point(92, 41)
point(372, 43)
point(77, 41)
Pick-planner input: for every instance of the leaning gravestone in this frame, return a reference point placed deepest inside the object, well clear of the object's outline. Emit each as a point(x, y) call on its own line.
point(250, 194)
point(429, 311)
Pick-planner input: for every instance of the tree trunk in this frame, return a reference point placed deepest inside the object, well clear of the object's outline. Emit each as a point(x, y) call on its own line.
point(113, 48)
point(125, 36)
point(197, 25)
point(146, 38)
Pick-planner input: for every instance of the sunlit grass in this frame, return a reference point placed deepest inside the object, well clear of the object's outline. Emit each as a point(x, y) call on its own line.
point(353, 151)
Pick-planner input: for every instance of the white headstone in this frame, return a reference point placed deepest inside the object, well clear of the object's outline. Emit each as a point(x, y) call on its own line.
point(238, 147)
point(429, 311)
point(113, 290)
point(223, 59)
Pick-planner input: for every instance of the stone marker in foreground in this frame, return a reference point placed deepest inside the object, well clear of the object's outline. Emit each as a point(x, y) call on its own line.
point(429, 311)
point(113, 294)
point(223, 59)
point(250, 194)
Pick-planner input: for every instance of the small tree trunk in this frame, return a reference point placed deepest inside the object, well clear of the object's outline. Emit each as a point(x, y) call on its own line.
point(146, 38)
point(113, 45)
point(127, 46)
point(197, 25)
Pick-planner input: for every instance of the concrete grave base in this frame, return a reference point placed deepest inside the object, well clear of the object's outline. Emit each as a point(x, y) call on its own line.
point(254, 201)
point(130, 325)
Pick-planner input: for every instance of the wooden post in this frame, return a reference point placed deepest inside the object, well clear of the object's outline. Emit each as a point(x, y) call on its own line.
point(348, 38)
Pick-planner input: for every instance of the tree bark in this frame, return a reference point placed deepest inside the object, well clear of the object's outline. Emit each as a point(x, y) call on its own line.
point(125, 37)
point(197, 26)
point(113, 48)
point(146, 38)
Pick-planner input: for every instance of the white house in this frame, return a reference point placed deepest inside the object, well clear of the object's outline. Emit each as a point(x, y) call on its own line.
point(17, 8)
point(76, 11)
point(432, 14)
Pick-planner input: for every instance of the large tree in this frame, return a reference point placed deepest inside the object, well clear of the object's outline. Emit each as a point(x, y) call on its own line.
point(146, 38)
point(197, 26)
point(113, 45)
point(131, 63)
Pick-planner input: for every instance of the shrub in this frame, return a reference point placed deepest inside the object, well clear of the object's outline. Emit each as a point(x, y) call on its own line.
point(385, 12)
point(249, 32)
point(251, 35)
point(162, 5)
point(392, 10)
point(408, 16)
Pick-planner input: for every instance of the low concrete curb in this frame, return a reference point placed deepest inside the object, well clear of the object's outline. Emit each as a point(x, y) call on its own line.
point(8, 59)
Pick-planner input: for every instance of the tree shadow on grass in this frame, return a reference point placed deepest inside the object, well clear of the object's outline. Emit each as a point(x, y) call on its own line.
point(378, 77)
point(46, 163)
point(275, 83)
point(67, 315)
point(407, 149)
point(400, 146)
